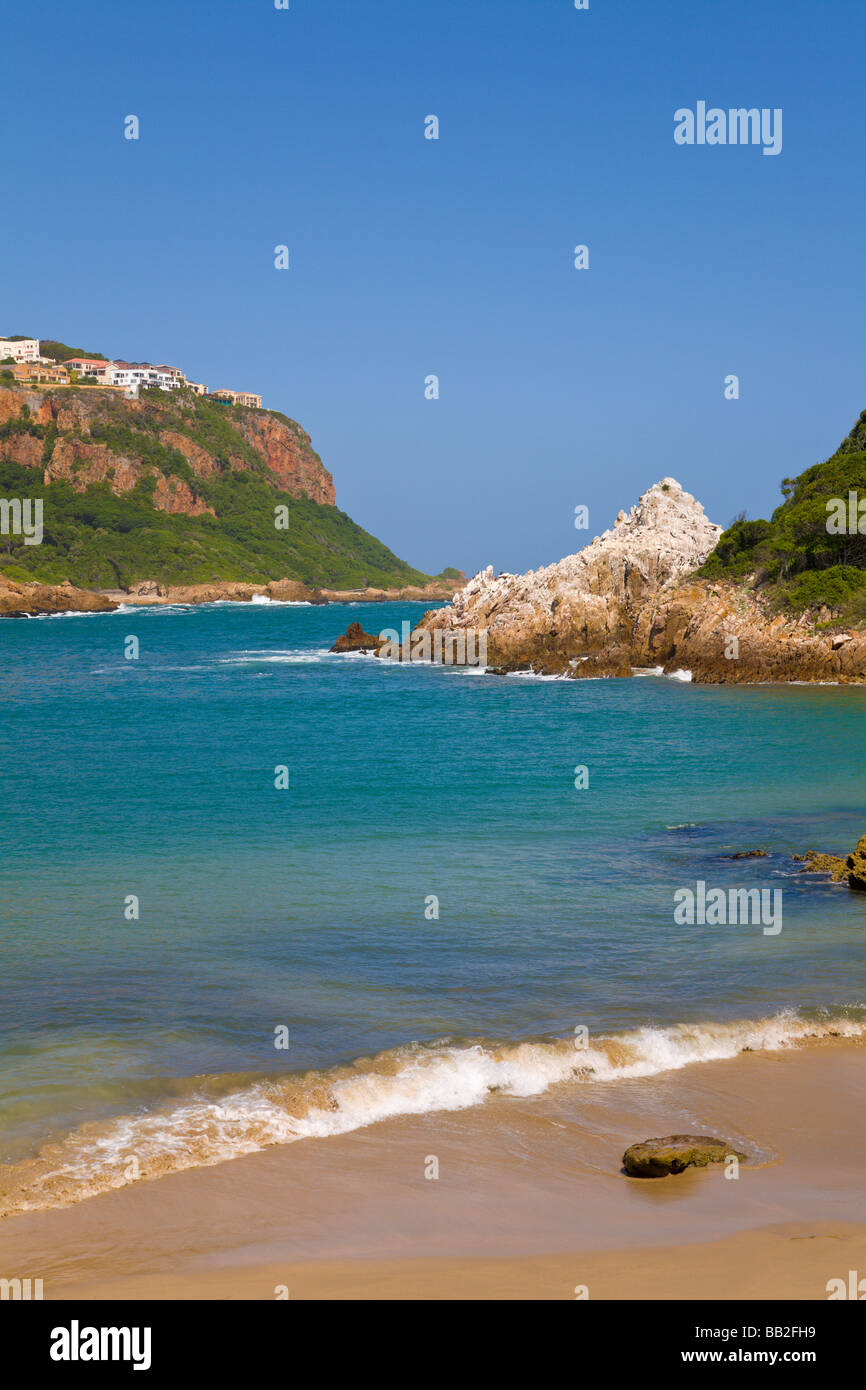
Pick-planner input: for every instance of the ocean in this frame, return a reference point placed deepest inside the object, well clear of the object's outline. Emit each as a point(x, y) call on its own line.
point(198, 963)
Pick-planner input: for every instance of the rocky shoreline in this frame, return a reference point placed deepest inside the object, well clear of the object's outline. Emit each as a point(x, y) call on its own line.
point(36, 600)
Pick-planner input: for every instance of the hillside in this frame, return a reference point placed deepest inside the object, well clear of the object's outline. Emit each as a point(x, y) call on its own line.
point(175, 488)
point(792, 557)
point(61, 352)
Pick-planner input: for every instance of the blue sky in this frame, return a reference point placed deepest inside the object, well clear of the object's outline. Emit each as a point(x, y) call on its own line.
point(454, 257)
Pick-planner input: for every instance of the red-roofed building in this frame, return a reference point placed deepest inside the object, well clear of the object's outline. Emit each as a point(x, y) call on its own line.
point(90, 366)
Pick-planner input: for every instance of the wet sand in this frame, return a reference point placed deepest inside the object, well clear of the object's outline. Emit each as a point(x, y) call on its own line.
point(785, 1262)
point(529, 1201)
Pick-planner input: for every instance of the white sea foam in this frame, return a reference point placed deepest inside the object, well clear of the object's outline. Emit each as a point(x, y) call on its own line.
point(293, 656)
point(534, 676)
point(153, 610)
point(279, 602)
point(414, 1080)
point(71, 613)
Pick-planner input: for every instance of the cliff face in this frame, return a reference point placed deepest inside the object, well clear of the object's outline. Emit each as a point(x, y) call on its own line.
point(289, 455)
point(589, 601)
point(80, 463)
point(91, 436)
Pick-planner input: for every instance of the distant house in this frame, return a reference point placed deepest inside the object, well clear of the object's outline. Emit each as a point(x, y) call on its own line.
point(91, 366)
point(130, 377)
point(39, 371)
point(22, 349)
point(238, 398)
point(144, 374)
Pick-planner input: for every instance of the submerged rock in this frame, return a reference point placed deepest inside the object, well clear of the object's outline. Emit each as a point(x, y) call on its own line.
point(657, 1158)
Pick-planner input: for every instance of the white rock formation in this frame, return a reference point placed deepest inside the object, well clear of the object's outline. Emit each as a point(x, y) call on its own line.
point(582, 603)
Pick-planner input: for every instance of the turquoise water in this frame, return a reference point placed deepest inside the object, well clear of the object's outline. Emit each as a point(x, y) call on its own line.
point(306, 907)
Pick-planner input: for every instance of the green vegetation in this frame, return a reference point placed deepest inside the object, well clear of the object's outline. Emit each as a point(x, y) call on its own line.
point(59, 352)
point(804, 564)
point(99, 540)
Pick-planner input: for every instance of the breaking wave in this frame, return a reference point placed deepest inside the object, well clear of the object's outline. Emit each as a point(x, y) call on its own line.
point(218, 1121)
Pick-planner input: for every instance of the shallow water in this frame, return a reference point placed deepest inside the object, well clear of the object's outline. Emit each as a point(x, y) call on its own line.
point(305, 908)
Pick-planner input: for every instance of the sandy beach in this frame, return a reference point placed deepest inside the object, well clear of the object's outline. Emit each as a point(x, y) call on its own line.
point(530, 1201)
point(777, 1262)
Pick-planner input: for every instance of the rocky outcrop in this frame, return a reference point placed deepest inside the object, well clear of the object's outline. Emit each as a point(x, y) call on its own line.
point(31, 600)
point(658, 1158)
point(23, 449)
point(850, 869)
point(834, 866)
point(587, 604)
point(148, 592)
point(203, 464)
point(856, 863)
point(727, 633)
point(631, 600)
point(436, 589)
point(355, 639)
